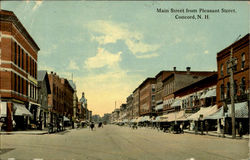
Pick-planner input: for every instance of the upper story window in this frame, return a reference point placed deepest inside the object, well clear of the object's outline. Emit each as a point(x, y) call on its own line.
point(228, 89)
point(243, 60)
point(235, 65)
point(235, 87)
point(228, 67)
point(221, 70)
point(15, 52)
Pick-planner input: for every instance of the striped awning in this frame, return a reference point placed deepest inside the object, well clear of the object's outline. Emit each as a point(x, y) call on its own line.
point(241, 110)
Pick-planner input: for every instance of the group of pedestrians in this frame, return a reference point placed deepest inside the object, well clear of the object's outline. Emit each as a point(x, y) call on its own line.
point(92, 125)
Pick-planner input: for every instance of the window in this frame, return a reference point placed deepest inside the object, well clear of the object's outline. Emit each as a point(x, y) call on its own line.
point(228, 67)
point(222, 92)
point(27, 58)
point(19, 56)
point(18, 81)
point(15, 82)
point(243, 60)
point(228, 90)
point(243, 86)
point(153, 97)
point(30, 70)
point(27, 88)
point(221, 70)
point(15, 52)
point(235, 87)
point(235, 65)
point(22, 59)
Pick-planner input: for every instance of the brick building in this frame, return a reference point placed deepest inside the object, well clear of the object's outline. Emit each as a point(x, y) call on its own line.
point(136, 103)
point(193, 97)
point(178, 80)
point(18, 73)
point(43, 91)
point(60, 100)
point(159, 89)
point(130, 107)
point(147, 96)
point(241, 72)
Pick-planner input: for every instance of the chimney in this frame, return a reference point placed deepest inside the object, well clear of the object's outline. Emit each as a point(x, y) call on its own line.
point(174, 68)
point(188, 70)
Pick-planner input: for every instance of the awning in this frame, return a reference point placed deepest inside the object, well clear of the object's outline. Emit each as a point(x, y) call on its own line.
point(216, 115)
point(3, 109)
point(210, 93)
point(184, 117)
point(21, 110)
point(176, 103)
point(146, 118)
point(139, 119)
point(159, 107)
point(157, 119)
point(125, 120)
point(204, 111)
point(241, 110)
point(65, 119)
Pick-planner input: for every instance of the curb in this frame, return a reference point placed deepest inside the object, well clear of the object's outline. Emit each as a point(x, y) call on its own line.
point(217, 135)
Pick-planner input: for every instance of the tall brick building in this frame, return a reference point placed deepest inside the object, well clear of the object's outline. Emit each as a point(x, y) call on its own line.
point(147, 96)
point(18, 72)
point(241, 72)
point(60, 101)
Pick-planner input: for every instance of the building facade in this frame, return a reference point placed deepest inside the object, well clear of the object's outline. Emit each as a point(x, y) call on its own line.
point(136, 103)
point(147, 96)
point(240, 72)
point(178, 80)
point(130, 107)
point(43, 92)
point(60, 100)
point(18, 80)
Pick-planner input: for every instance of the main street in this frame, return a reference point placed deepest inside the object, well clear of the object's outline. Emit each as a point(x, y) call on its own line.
point(121, 143)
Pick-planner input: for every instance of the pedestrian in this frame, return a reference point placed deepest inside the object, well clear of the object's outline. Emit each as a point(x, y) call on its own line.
point(240, 129)
point(92, 126)
point(206, 126)
point(13, 124)
point(181, 127)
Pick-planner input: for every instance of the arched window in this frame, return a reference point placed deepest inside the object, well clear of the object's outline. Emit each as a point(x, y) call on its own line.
point(243, 60)
point(221, 70)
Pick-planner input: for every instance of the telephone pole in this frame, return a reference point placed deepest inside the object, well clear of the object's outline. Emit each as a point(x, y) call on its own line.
point(232, 63)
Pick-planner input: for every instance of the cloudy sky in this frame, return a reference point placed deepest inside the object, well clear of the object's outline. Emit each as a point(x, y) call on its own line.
point(111, 47)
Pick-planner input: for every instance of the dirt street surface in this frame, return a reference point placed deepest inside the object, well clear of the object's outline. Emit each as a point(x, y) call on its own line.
point(121, 143)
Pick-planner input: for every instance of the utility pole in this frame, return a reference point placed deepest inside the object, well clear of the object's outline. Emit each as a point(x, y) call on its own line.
point(232, 61)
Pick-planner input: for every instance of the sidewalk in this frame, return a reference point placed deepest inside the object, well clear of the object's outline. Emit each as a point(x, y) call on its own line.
point(32, 132)
point(214, 133)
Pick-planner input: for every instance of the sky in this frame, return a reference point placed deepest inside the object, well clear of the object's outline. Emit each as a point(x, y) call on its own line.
point(111, 47)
